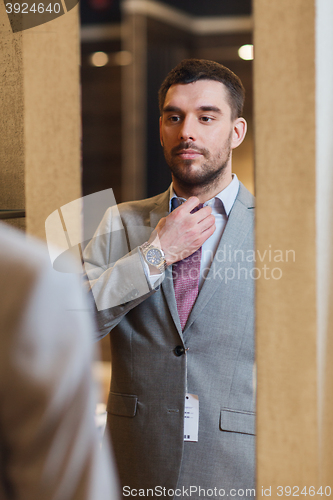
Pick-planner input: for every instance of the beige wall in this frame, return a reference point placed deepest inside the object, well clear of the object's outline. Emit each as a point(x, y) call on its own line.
point(40, 118)
point(52, 118)
point(290, 418)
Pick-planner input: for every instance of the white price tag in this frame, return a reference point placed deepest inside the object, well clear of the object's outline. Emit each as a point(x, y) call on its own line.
point(191, 417)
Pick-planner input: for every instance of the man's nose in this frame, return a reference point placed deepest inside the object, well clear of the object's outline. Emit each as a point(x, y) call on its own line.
point(187, 130)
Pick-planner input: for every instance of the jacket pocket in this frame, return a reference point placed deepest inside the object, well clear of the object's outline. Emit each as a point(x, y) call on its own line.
point(123, 405)
point(237, 421)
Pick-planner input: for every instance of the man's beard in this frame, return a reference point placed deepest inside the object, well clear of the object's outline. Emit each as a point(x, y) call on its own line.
point(210, 171)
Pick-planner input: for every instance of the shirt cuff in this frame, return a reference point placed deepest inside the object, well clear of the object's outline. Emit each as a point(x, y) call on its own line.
point(153, 278)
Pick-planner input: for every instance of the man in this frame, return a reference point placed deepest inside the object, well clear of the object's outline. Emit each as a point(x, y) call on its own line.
point(49, 444)
point(181, 304)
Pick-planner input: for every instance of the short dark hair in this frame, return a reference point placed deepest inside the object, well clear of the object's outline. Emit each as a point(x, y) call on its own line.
point(192, 70)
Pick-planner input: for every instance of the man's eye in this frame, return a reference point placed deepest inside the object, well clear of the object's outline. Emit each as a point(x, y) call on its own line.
point(206, 118)
point(174, 118)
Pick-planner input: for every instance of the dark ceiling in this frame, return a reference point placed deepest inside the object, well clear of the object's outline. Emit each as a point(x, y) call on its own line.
point(213, 7)
point(108, 11)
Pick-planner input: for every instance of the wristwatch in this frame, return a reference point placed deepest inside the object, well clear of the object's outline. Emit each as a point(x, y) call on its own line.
point(154, 256)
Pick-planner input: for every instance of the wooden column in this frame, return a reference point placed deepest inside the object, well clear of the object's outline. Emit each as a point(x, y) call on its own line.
point(40, 117)
point(294, 369)
point(52, 118)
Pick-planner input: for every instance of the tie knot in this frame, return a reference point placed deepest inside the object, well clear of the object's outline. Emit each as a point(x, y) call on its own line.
point(176, 202)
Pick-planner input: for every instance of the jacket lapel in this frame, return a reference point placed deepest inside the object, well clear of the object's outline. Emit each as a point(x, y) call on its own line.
point(161, 209)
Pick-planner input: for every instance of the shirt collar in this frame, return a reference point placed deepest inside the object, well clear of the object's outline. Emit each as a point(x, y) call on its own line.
point(227, 196)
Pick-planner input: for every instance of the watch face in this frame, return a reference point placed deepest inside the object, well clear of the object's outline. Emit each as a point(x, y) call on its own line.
point(154, 256)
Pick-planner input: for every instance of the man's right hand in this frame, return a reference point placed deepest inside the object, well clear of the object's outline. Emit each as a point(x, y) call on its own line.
point(181, 233)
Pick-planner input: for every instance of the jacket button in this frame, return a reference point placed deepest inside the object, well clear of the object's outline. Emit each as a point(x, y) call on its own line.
point(179, 350)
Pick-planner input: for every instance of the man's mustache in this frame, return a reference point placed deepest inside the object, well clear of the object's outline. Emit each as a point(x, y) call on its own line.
point(188, 145)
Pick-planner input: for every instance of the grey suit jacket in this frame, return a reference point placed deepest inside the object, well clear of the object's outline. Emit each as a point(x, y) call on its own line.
point(149, 381)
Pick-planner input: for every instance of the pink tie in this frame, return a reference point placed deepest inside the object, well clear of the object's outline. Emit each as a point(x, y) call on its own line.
point(186, 274)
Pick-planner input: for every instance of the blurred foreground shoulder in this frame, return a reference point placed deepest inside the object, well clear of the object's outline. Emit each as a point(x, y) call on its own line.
point(50, 447)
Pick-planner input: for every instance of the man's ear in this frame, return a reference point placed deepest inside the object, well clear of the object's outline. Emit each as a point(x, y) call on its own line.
point(161, 138)
point(238, 132)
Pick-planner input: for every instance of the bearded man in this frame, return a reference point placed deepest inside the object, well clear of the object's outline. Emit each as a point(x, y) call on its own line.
point(180, 304)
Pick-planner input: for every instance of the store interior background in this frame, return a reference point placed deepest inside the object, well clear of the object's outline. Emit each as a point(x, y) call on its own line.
point(212, 30)
point(127, 48)
point(40, 170)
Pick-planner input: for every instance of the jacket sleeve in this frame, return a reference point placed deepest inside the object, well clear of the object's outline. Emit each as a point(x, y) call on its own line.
point(115, 276)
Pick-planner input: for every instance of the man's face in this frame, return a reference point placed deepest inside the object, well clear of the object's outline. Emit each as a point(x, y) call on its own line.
point(196, 132)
